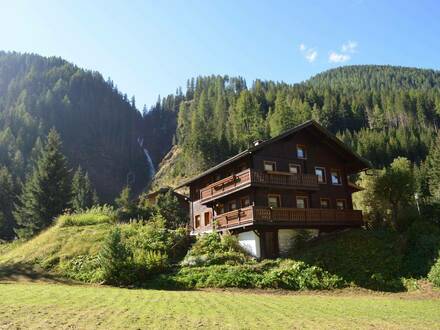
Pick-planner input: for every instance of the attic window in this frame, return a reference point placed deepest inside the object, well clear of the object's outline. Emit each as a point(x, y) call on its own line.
point(301, 151)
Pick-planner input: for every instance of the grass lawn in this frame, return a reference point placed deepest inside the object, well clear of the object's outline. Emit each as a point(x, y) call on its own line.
point(49, 305)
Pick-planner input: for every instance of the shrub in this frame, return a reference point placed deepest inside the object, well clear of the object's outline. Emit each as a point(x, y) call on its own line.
point(423, 244)
point(219, 276)
point(115, 259)
point(84, 268)
point(296, 275)
point(215, 249)
point(371, 259)
point(93, 216)
point(154, 236)
point(286, 274)
point(434, 274)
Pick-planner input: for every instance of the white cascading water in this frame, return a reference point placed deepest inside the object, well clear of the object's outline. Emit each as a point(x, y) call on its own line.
point(151, 169)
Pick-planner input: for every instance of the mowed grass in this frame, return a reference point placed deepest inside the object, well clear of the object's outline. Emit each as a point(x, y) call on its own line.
point(47, 306)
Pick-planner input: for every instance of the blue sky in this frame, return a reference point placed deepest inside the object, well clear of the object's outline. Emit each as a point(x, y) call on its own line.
point(152, 47)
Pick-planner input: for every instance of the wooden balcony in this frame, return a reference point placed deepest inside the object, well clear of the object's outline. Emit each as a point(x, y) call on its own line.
point(289, 217)
point(250, 177)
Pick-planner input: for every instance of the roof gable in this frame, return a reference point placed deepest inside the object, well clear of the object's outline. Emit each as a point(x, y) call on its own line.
point(358, 163)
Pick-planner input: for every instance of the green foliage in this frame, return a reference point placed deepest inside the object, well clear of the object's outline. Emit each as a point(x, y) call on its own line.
point(83, 194)
point(396, 186)
point(434, 274)
point(215, 249)
point(134, 252)
point(286, 274)
point(169, 208)
point(155, 236)
point(114, 259)
point(126, 207)
point(7, 197)
point(387, 197)
point(422, 248)
point(371, 259)
point(46, 193)
point(84, 268)
point(92, 216)
point(394, 114)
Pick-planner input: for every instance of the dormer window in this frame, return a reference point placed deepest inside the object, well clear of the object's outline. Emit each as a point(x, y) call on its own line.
point(269, 166)
point(301, 151)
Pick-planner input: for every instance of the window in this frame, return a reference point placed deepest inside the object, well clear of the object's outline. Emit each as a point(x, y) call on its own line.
point(220, 208)
point(197, 221)
point(325, 203)
point(302, 202)
point(207, 218)
point(295, 168)
point(269, 166)
point(244, 201)
point(336, 177)
point(341, 204)
point(273, 200)
point(301, 151)
point(232, 205)
point(320, 173)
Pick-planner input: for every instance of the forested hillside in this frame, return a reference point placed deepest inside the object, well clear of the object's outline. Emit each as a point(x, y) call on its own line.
point(99, 126)
point(381, 111)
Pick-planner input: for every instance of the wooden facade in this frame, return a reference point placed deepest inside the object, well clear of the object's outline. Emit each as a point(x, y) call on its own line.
point(296, 180)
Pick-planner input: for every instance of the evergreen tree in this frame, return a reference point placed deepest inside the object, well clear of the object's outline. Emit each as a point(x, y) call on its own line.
point(83, 194)
point(46, 192)
point(7, 193)
point(433, 171)
point(169, 207)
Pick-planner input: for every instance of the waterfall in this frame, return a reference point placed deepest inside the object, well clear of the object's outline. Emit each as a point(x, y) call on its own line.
point(151, 169)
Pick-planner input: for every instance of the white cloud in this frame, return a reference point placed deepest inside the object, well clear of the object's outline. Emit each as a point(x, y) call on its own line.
point(310, 54)
point(349, 47)
point(338, 57)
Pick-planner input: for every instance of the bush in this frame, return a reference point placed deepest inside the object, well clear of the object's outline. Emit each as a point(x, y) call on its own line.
point(215, 249)
point(296, 275)
point(93, 216)
point(423, 244)
point(434, 274)
point(286, 274)
point(115, 259)
point(84, 268)
point(133, 252)
point(371, 259)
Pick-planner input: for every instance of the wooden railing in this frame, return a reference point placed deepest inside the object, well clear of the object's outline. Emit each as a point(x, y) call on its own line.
point(307, 216)
point(235, 218)
point(225, 185)
point(294, 216)
point(248, 176)
point(285, 179)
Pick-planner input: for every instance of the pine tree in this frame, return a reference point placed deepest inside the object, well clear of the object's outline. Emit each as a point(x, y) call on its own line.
point(7, 193)
point(46, 192)
point(433, 171)
point(83, 194)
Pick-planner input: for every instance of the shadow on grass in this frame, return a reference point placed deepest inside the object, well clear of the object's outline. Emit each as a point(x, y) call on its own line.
point(28, 273)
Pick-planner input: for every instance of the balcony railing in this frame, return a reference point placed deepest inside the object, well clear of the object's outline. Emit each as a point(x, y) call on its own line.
point(251, 177)
point(288, 216)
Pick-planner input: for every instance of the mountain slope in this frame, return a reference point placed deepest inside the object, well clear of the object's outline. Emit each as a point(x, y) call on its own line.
point(98, 125)
point(381, 111)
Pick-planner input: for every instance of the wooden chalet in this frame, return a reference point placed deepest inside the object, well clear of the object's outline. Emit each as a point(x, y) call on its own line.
point(298, 179)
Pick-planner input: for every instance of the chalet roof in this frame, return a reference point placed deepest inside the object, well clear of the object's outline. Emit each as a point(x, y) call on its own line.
point(361, 163)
